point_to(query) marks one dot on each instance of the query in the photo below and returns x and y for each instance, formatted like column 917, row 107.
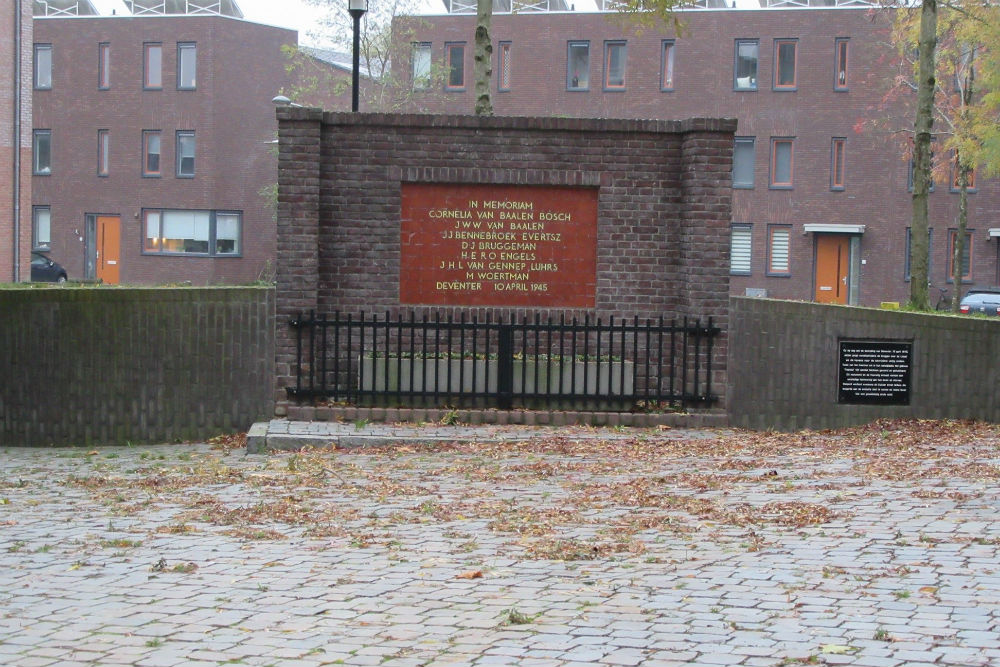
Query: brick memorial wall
column 508, row 216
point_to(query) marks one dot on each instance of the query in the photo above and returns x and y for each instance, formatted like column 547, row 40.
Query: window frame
column 748, row 229
column 755, row 77
column 423, row 81
column 449, row 62
column 146, row 153
column 838, row 163
column 786, row 231
column 909, row 176
column 212, row 241
column 743, row 185
column 182, row 48
column 37, row 83
column 37, row 137
column 966, row 256
column 954, row 187
column 776, row 83
column 103, row 153
column 179, row 156
column 572, row 44
column 36, row 243
column 668, row 48
column 148, row 82
column 841, row 56
column 503, row 66
column 104, row 66
column 907, row 248
column 773, row 183
column 611, row 47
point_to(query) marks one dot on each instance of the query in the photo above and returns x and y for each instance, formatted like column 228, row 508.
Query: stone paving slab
column 553, row 547
column 290, row 435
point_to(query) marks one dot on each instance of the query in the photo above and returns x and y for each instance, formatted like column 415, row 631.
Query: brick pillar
column 297, row 238
column 706, row 209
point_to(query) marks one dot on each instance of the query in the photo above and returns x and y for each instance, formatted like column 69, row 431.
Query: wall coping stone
column 539, row 123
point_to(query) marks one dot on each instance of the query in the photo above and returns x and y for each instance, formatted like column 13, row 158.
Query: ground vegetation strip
column 774, row 544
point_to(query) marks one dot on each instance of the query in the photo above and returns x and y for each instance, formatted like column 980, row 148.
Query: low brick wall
column 784, row 361
column 110, row 366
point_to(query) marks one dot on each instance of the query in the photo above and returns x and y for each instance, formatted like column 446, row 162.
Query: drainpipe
column 18, row 7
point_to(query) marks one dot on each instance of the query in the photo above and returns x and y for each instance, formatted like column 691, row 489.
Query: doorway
column 833, row 262
column 102, row 248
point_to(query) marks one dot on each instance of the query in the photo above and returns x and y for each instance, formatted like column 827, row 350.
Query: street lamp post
column 357, row 9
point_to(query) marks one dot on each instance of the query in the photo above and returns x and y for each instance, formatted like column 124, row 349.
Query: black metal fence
column 495, row 363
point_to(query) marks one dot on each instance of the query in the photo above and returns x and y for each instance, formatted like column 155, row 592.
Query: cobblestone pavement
column 875, row 546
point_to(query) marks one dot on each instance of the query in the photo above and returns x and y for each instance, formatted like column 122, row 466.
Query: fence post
column 505, row 366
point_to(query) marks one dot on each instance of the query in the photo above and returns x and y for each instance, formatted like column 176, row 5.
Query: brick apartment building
column 820, row 211
column 154, row 143
column 15, row 140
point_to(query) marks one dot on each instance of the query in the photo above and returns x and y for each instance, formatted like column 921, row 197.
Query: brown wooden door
column 832, row 261
column 108, row 248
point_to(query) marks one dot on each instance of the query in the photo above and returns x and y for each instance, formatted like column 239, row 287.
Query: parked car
column 45, row 270
column 985, row 301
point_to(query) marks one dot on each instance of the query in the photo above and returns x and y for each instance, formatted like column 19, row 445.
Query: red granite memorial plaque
column 498, row 245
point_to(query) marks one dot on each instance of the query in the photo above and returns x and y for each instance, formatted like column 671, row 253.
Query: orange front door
column 832, row 259
column 108, row 248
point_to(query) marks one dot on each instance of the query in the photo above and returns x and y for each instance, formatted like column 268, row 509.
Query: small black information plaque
column 875, row 372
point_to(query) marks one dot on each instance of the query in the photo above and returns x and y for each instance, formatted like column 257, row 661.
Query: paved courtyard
column 874, row 546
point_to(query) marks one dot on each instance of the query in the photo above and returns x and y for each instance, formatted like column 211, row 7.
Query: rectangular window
column 778, row 262
column 503, row 74
column 906, row 259
column 41, row 152
column 227, row 233
column 152, row 66
column 966, row 255
column 150, row 152
column 955, row 185
column 43, row 66
column 614, row 65
column 185, row 154
column 837, row 147
column 909, row 176
column 103, row 152
column 745, row 71
column 41, row 227
column 455, row 66
column 179, row 232
column 578, row 66
column 784, row 57
column 840, row 64
column 781, row 162
column 421, row 59
column 667, row 65
column 743, row 162
column 187, row 66
column 740, row 250
column 103, row 66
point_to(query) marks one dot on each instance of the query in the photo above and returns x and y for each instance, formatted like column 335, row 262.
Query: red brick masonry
column 663, row 209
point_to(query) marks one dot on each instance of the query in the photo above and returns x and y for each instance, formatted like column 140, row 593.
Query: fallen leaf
column 837, row 649
column 472, row 574
column 928, row 590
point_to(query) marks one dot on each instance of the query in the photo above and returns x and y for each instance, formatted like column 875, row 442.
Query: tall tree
column 483, row 69
column 938, row 75
column 922, row 127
